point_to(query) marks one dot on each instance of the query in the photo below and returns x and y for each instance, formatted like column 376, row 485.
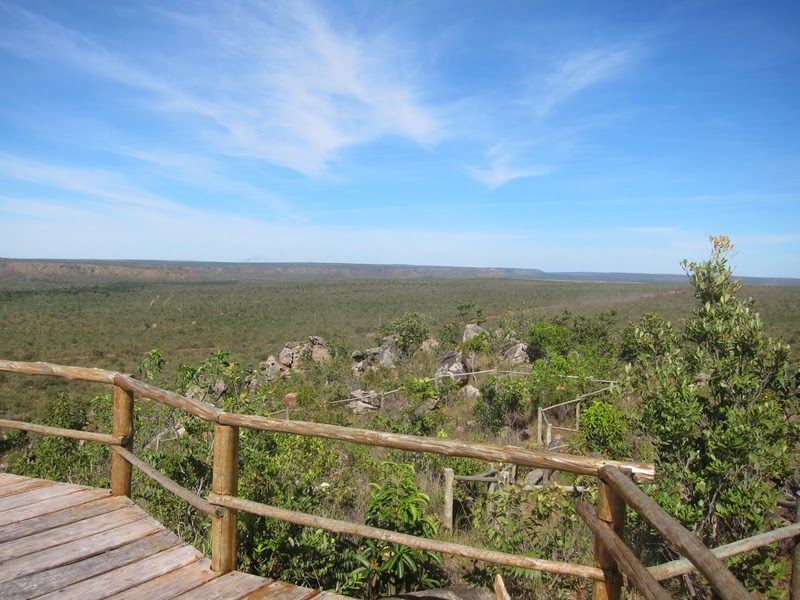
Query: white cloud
column 504, row 166
column 578, row 72
column 95, row 183
column 273, row 81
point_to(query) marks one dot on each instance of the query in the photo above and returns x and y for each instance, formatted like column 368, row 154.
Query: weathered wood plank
column 58, row 518
column 170, row 584
column 68, row 533
column 278, row 590
column 22, row 485
column 49, row 579
column 9, row 477
column 15, row 501
column 129, row 576
column 330, row 596
column 44, row 507
column 231, row 586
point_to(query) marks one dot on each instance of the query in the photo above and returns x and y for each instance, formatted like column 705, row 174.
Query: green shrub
column 604, row 428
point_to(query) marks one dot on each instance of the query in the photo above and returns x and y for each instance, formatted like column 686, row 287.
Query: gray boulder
column 364, row 402
column 517, row 354
column 472, row 330
column 469, row 391
column 388, row 354
column 454, row 366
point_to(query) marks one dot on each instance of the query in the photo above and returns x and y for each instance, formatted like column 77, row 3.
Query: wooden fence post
column 225, row 482
column 795, row 589
column 449, row 476
column 122, row 426
column 539, row 426
column 611, row 510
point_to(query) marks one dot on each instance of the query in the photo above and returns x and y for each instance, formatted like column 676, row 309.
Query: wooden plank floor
column 59, row 540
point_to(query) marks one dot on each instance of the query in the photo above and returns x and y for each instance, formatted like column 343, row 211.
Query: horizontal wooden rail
column 684, row 541
column 683, row 566
column 627, row 562
column 43, row 368
column 76, row 434
column 203, row 410
column 180, row 491
column 412, row 541
column 581, row 465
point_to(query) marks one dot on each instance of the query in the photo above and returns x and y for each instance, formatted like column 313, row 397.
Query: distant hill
column 45, row 273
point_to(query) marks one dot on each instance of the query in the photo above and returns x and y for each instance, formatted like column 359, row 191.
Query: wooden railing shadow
column 617, row 490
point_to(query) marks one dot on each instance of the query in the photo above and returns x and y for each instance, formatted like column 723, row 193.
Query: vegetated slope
column 111, row 315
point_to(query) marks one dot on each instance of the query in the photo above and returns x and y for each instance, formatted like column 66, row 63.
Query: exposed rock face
column 388, row 354
column 452, row 365
column 293, row 354
column 429, row 345
column 472, row 330
column 271, row 367
column 364, row 401
column 469, row 391
column 517, row 354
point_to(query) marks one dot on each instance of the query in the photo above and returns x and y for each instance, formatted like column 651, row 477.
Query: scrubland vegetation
column 703, row 389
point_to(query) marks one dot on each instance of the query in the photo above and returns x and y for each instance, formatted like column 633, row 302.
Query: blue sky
column 563, row 136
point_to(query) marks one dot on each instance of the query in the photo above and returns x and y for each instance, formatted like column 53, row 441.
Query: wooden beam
column 627, row 562
column 122, row 427
column 89, row 436
column 207, row 412
column 683, row 566
column 65, row 372
column 581, row 465
column 684, row 541
column 393, row 537
column 225, row 482
column 167, row 483
column 610, row 511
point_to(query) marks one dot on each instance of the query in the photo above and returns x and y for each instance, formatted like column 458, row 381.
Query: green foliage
column 604, row 428
column 469, row 313
column 720, row 406
column 652, row 336
column 547, row 340
column 410, row 330
column 63, row 459
column 397, row 504
column 503, row 403
column 531, row 522
column 152, row 365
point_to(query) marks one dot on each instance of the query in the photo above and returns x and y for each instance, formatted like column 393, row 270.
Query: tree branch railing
column 616, row 487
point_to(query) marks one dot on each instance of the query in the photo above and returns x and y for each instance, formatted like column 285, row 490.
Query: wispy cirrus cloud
column 98, row 184
column 504, row 166
column 277, row 81
column 577, row 72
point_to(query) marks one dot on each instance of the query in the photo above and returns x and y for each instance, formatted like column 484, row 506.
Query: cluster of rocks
column 293, row 356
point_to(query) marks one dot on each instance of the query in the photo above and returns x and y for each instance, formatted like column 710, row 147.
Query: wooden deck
column 59, row 540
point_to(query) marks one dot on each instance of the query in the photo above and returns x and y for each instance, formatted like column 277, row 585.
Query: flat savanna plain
column 74, row 316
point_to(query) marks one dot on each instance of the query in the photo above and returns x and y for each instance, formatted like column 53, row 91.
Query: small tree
column 720, row 407
column 410, row 331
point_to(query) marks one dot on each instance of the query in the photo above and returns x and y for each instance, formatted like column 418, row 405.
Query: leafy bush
column 503, row 403
column 604, row 428
column 410, row 331
column 397, row 504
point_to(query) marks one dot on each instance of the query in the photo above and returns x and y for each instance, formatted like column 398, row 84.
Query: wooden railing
column 616, row 490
